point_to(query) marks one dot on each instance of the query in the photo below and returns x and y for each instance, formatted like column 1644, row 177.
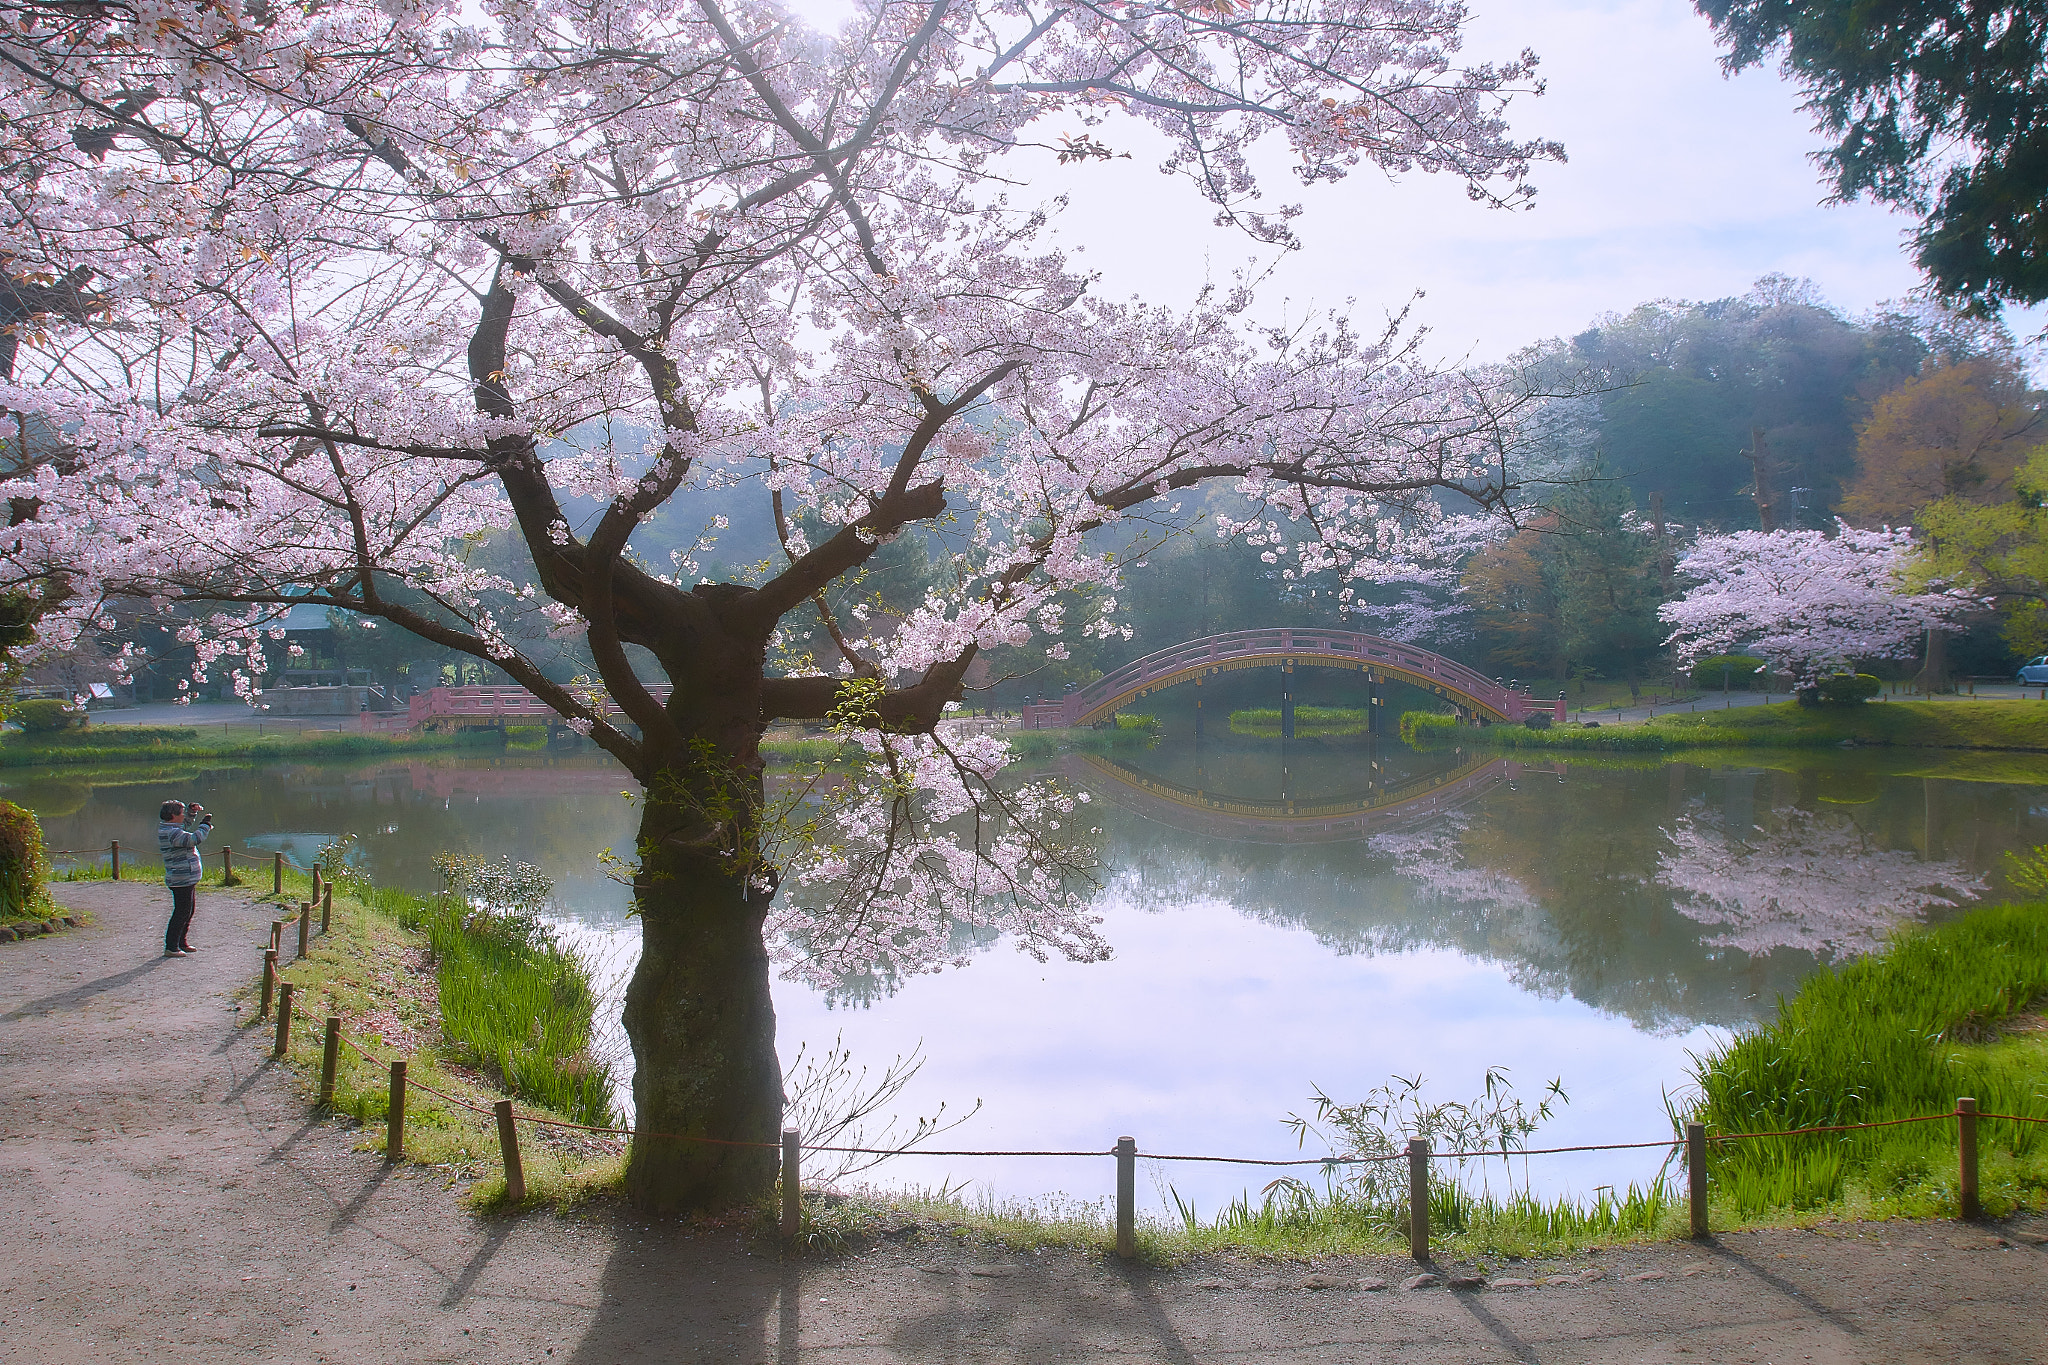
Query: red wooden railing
column 1321, row 647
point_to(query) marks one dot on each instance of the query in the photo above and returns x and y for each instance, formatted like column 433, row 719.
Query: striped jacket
column 180, row 846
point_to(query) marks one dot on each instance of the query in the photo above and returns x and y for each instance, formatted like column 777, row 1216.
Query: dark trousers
column 181, row 917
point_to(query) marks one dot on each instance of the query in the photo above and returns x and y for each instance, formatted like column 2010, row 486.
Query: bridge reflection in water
column 1398, row 803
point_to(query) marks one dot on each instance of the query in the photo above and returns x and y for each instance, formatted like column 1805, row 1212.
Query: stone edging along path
column 172, row 1198
column 27, row 929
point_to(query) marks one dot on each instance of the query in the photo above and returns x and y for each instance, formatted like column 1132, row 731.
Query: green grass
column 1293, row 1220
column 1992, row 725
column 1439, row 730
column 1896, row 1035
column 514, row 1003
column 367, row 970
column 108, row 745
column 1310, row 722
column 811, row 750
column 102, row 871
column 1296, row 1219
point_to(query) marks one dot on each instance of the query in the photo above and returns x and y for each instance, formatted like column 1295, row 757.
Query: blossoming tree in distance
column 302, row 297
column 1808, row 602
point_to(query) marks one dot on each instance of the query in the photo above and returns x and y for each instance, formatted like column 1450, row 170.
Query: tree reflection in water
column 1817, row 883
column 1433, row 859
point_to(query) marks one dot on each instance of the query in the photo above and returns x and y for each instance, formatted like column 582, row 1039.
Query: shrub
column 1742, row 671
column 1538, row 721
column 48, row 717
column 1138, row 721
column 1842, row 689
column 23, row 870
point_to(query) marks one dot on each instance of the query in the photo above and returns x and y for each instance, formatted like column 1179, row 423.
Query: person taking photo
column 181, row 830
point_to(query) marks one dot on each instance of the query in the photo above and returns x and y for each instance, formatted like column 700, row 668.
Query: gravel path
column 169, row 1199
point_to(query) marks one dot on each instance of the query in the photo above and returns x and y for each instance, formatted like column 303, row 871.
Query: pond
column 1286, row 916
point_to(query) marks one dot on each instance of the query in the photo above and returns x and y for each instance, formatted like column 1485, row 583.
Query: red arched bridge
column 1476, row 696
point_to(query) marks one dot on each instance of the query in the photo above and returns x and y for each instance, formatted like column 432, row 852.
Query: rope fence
column 228, row 877
column 1419, row 1153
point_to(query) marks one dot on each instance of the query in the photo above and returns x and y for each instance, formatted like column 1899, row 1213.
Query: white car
column 2035, row 670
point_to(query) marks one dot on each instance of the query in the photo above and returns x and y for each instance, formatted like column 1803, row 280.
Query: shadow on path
column 459, row 1288
column 673, row 1295
column 78, row 995
column 1785, row 1287
column 1505, row 1335
column 346, row 1214
column 1170, row 1341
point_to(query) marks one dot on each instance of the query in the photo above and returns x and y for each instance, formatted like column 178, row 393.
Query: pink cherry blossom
column 1809, row 602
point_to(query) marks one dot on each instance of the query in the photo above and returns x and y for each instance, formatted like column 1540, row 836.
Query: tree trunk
column 698, row 1011
column 1934, row 665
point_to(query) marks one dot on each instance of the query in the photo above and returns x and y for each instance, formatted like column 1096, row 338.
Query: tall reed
column 1886, row 1037
column 513, row 1000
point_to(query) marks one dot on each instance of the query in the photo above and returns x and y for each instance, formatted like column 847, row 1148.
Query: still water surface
column 1284, row 918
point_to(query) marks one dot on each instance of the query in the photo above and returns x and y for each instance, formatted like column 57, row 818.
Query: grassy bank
column 809, row 750
column 2020, row 726
column 478, row 1010
column 1947, row 1011
column 101, row 747
column 1310, row 722
column 1295, row 1220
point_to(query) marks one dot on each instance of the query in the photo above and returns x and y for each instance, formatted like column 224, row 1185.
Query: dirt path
column 167, row 1198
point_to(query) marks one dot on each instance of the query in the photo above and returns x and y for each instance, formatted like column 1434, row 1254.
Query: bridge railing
column 1344, row 644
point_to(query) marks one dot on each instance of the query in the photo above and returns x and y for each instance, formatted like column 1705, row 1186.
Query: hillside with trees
column 1772, row 411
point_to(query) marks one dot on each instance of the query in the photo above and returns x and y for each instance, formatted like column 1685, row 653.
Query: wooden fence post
column 269, row 980
column 284, row 1021
column 792, row 1183
column 305, row 926
column 1126, row 1197
column 1418, row 1200
column 330, row 1061
column 1966, row 1153
column 115, row 849
column 326, row 908
column 277, row 873
column 394, row 1128
column 1696, row 1174
column 277, row 936
column 508, row 1146
column 227, row 867
column 316, row 882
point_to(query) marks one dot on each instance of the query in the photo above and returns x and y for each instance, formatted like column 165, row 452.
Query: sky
column 1682, row 183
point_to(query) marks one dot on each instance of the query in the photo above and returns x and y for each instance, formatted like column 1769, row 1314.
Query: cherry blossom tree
column 321, row 286
column 1809, row 602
